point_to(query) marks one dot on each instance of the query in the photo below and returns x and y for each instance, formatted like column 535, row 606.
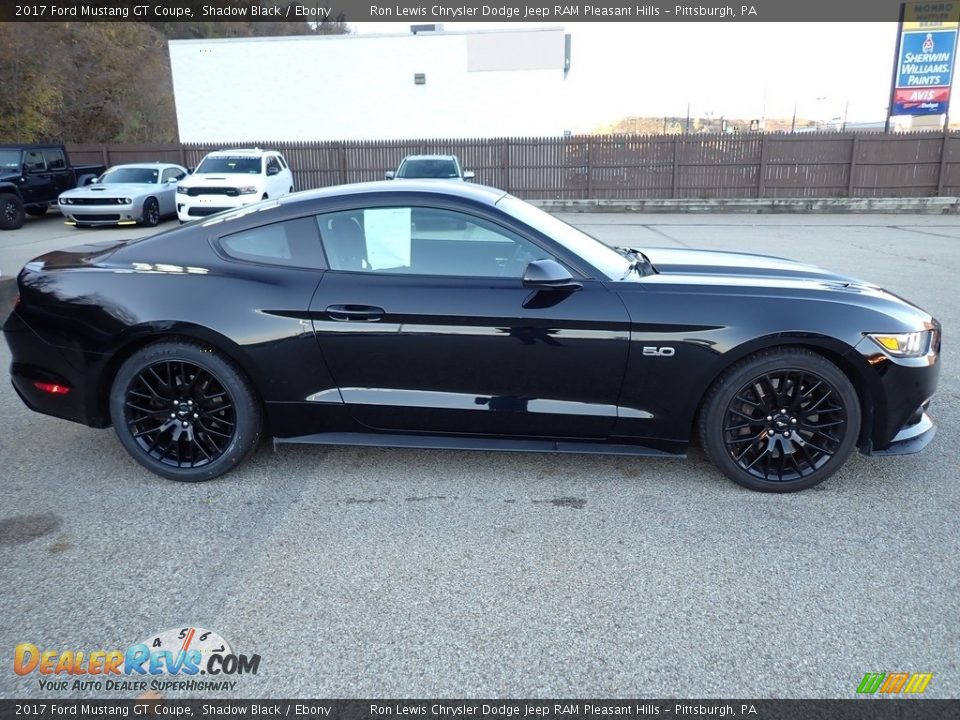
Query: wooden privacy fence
column 741, row 165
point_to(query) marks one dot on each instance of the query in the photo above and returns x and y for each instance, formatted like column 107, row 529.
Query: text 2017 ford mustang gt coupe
column 433, row 315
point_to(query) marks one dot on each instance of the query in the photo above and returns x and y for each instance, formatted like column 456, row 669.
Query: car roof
column 147, row 165
column 466, row 191
column 430, row 157
column 252, row 152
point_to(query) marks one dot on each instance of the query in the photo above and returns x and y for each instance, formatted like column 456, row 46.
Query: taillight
column 52, row 388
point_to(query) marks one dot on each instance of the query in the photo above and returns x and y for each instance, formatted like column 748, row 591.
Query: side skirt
column 443, row 442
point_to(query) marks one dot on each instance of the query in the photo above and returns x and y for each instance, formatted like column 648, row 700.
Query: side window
column 172, row 174
column 55, row 159
column 33, row 161
column 293, row 243
column 273, row 165
column 424, row 241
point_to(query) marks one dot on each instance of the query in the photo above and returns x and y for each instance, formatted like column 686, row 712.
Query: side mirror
column 273, row 171
column 549, row 275
column 92, row 181
column 468, row 174
column 389, row 174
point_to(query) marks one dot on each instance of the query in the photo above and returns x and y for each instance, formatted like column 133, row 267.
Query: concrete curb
column 922, row 205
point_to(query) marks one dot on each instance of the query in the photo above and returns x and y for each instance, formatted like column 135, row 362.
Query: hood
column 231, row 178
column 713, row 263
column 112, row 190
column 741, row 268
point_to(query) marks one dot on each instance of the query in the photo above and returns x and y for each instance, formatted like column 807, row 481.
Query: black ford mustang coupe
column 436, row 315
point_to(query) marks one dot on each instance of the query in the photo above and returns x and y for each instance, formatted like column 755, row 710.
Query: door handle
column 356, row 313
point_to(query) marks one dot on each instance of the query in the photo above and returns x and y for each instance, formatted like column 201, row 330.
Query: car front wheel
column 151, row 213
column 184, row 411
column 780, row 421
column 11, row 212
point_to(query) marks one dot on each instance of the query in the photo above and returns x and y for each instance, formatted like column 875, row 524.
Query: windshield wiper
column 639, row 262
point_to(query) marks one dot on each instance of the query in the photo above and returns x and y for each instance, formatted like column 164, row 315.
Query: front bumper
column 901, row 390
column 191, row 207
column 127, row 214
column 911, row 438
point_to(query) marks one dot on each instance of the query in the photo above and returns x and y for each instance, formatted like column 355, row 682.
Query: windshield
column 10, row 158
column 231, row 164
column 602, row 257
column 130, row 175
column 428, row 168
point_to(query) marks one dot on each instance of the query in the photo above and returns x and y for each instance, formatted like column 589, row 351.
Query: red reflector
column 51, row 388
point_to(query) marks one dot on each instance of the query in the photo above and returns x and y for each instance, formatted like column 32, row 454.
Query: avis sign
column 928, row 47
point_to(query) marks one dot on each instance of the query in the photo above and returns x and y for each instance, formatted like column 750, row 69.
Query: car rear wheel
column 184, row 411
column 780, row 421
column 11, row 212
column 151, row 213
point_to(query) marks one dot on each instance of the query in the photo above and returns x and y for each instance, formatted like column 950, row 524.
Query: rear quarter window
column 293, row 243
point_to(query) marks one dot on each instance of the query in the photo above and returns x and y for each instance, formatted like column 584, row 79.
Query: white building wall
column 362, row 87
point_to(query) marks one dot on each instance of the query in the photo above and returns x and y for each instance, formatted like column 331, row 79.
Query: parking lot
column 358, row 572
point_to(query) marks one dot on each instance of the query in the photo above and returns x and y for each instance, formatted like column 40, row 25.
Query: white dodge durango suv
column 227, row 179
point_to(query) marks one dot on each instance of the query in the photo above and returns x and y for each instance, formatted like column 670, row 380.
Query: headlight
column 126, row 201
column 249, row 190
column 65, row 201
column 181, row 190
column 904, row 345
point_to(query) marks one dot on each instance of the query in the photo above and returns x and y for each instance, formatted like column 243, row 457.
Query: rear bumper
column 35, row 360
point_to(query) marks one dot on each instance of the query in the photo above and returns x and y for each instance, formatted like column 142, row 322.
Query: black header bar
column 852, row 709
column 453, row 11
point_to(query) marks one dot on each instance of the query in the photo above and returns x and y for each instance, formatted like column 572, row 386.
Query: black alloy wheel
column 184, row 411
column 781, row 421
column 151, row 213
column 11, row 212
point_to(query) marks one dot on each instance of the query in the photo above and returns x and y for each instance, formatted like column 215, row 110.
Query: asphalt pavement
column 357, row 572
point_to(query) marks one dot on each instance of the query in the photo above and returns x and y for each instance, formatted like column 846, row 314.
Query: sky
column 738, row 70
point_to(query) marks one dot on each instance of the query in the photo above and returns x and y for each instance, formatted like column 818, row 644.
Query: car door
column 167, row 191
column 58, row 176
column 36, row 185
column 276, row 185
column 426, row 326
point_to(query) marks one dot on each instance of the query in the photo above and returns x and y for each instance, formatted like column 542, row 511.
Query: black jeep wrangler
column 33, row 176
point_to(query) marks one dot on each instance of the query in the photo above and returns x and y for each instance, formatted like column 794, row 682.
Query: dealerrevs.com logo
column 894, row 683
column 168, row 661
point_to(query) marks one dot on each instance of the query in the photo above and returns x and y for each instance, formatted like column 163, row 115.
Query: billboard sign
column 926, row 57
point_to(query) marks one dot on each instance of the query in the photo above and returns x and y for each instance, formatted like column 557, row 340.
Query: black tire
column 151, row 213
column 215, row 423
column 780, row 421
column 11, row 212
column 265, row 196
column 37, row 211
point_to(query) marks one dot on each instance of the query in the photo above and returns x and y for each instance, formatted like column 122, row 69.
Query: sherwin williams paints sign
column 926, row 56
